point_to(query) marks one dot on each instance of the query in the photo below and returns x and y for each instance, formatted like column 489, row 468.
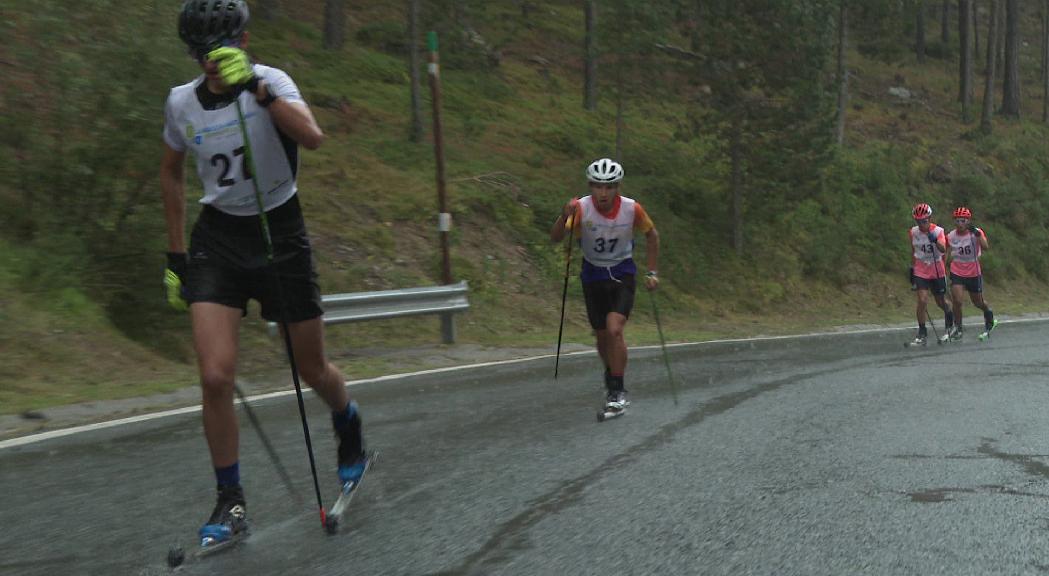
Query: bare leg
column 922, row 310
column 615, row 343
column 957, row 292
column 215, row 337
column 307, row 340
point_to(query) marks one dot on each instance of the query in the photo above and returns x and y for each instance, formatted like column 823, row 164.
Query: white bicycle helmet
column 604, row 171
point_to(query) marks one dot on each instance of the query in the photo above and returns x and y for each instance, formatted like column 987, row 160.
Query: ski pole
column 283, row 311
column 564, row 294
column 663, row 345
column 274, row 458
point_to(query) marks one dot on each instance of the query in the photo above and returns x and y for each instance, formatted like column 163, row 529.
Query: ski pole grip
column 431, row 41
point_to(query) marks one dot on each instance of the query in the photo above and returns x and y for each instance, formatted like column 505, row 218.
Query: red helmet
column 922, row 211
column 963, row 212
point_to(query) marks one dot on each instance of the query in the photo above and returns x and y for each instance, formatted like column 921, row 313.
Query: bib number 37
column 603, row 245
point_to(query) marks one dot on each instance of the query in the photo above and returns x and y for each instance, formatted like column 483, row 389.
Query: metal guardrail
column 383, row 304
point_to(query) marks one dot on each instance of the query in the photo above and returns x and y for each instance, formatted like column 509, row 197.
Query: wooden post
column 444, row 218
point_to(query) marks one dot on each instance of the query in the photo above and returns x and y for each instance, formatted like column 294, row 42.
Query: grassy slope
column 370, row 202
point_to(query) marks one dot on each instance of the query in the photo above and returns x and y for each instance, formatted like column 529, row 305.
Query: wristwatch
column 265, row 102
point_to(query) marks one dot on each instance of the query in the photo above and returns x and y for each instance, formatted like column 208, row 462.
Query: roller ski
column 956, row 334
column 351, row 477
column 987, row 331
column 227, row 527
column 615, row 406
column 919, row 341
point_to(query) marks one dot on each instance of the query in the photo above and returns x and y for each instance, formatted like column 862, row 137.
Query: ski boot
column 615, row 405
column 919, row 340
column 956, row 334
column 228, row 520
column 987, row 330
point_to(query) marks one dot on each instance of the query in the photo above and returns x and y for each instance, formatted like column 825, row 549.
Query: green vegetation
column 82, row 315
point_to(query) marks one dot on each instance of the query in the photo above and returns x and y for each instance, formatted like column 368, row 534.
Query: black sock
column 988, row 318
column 615, row 383
column 948, row 319
column 347, row 425
column 922, row 331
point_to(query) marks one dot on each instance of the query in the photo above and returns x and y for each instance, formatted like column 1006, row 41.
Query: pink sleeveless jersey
column 928, row 260
column 965, row 254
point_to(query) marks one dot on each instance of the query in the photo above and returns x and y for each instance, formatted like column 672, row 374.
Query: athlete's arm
column 652, row 249
column 983, row 241
column 293, row 118
column 173, row 190
column 560, row 228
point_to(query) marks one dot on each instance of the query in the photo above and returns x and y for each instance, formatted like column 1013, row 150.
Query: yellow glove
column 173, row 280
column 234, row 67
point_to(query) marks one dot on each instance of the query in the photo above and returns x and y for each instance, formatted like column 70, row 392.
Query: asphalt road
column 826, row 455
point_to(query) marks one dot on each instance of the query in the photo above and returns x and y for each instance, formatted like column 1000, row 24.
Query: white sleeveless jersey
column 607, row 241
column 215, row 139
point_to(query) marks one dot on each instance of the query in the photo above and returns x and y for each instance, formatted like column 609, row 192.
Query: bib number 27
column 224, row 180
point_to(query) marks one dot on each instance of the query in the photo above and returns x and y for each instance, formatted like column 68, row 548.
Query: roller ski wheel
column 227, row 527
column 615, row 406
column 919, row 341
column 351, row 479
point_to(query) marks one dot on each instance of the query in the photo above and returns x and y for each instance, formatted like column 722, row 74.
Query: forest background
column 778, row 145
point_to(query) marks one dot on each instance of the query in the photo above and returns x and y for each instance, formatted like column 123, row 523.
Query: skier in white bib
column 227, row 262
column 604, row 224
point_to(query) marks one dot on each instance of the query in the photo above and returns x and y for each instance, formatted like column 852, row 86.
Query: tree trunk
column 992, row 56
column 334, row 24
column 1011, row 74
column 945, row 27
column 267, row 9
column 620, row 123
column 843, row 71
column 965, row 62
column 413, row 69
column 976, row 27
column 919, row 43
column 590, row 80
column 999, row 55
column 736, row 158
column 1045, row 61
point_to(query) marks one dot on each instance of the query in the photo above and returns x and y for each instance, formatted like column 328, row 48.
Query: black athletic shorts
column 606, row 296
column 937, row 286
column 973, row 284
column 228, row 263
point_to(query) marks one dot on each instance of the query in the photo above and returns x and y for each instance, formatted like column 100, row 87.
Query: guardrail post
column 448, row 328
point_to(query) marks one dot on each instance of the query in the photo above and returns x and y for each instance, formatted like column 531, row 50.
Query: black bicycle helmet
column 204, row 24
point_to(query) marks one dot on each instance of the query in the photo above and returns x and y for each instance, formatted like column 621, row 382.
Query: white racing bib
column 607, row 241
column 214, row 137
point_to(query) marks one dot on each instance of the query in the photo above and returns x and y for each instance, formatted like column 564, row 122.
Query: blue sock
column 228, row 476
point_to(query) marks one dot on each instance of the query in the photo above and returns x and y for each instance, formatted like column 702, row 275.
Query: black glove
column 974, row 230
column 173, row 280
column 932, row 237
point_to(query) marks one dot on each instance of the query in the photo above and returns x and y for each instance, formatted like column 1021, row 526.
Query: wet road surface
column 826, row 455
